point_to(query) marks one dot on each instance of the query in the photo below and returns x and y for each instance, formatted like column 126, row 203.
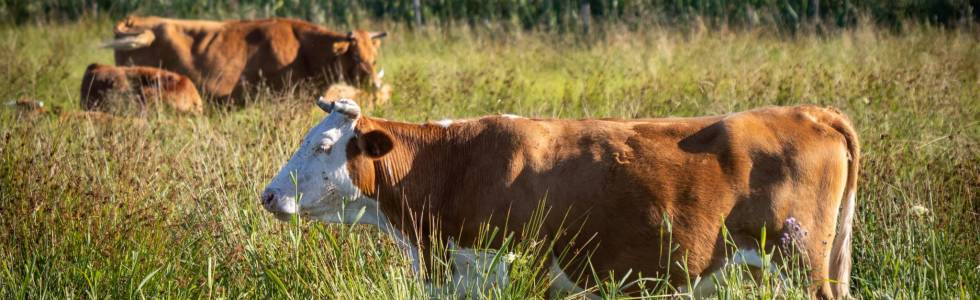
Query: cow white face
column 316, row 182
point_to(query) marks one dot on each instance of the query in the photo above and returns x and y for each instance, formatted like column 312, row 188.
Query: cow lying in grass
column 27, row 106
column 226, row 57
column 109, row 88
column 648, row 197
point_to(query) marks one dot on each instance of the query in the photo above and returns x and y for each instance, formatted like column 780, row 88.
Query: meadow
column 166, row 206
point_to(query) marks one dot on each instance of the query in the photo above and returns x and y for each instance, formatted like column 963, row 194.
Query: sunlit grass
column 168, row 206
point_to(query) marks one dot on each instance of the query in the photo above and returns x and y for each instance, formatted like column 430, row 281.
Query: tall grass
column 167, row 207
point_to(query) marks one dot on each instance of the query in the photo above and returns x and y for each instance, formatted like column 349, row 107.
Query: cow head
column 133, row 33
column 321, row 180
column 358, row 52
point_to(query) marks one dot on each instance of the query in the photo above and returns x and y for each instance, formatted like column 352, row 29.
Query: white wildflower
column 919, row 210
column 510, row 257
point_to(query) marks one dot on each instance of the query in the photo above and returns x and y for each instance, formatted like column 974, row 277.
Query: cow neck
column 411, row 181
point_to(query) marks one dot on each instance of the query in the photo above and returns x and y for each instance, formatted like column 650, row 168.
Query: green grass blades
column 166, row 206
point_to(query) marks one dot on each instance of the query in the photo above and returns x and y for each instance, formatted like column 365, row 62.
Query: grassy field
column 167, row 207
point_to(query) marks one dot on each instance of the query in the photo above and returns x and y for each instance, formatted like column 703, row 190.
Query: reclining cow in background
column 791, row 171
column 109, row 88
column 225, row 58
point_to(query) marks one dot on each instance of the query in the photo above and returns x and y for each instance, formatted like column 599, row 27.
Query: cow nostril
column 267, row 198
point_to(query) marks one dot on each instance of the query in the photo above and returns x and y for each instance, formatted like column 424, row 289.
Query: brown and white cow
column 225, row 58
column 105, row 88
column 617, row 183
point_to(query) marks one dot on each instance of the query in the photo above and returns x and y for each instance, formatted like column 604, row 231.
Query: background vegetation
column 167, row 206
column 554, row 15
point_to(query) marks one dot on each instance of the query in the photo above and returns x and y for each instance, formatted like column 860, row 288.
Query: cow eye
column 324, row 148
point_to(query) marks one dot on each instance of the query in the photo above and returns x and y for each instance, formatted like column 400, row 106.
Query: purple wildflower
column 792, row 232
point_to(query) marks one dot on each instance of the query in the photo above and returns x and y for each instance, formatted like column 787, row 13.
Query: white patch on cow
column 477, row 272
column 562, row 286
column 747, row 257
column 377, row 78
column 403, row 243
column 510, row 116
column 707, row 286
column 444, row 123
column 315, row 181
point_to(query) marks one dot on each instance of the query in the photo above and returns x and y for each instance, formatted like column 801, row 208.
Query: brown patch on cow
column 623, row 157
column 613, row 185
column 228, row 58
column 109, row 88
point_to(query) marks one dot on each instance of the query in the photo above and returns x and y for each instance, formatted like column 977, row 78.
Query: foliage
column 167, row 207
column 555, row 15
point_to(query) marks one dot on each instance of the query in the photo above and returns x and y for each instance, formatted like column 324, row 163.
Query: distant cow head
column 323, row 179
column 359, row 52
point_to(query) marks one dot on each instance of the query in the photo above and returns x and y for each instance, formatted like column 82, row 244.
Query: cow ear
column 377, row 36
column 375, row 144
column 340, row 47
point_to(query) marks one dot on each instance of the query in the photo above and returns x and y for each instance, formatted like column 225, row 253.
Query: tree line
column 555, row 15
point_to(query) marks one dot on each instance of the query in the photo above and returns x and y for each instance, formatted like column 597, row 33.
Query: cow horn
column 347, row 107
column 143, row 39
column 325, row 105
column 378, row 35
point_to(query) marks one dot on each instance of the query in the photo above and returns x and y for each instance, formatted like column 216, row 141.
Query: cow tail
column 840, row 264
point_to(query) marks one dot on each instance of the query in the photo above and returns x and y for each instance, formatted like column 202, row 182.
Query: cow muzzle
column 283, row 207
column 377, row 79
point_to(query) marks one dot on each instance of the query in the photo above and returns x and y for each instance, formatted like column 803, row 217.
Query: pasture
column 167, row 207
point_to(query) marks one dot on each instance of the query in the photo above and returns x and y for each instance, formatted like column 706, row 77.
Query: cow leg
column 563, row 287
column 818, row 253
column 746, row 256
column 477, row 272
column 810, row 245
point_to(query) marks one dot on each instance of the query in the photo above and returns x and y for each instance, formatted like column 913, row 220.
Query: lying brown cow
column 226, row 57
column 27, row 106
column 618, row 183
column 106, row 88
